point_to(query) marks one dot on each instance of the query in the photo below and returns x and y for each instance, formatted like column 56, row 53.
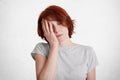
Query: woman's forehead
column 50, row 18
column 53, row 22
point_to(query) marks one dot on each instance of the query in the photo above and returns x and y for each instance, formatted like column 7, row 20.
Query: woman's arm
column 46, row 68
column 91, row 75
column 40, row 61
column 49, row 70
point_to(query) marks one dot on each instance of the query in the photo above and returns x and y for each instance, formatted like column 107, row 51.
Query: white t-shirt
column 74, row 62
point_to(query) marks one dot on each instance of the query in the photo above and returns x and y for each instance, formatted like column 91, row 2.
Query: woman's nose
column 56, row 29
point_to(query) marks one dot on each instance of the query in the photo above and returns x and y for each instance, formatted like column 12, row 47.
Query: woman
column 60, row 58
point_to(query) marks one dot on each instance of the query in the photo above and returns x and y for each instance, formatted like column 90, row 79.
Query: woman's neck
column 66, row 43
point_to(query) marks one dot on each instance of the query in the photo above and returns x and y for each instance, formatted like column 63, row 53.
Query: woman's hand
column 49, row 34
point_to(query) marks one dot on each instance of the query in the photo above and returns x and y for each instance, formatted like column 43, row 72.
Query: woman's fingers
column 43, row 25
column 47, row 26
column 49, row 34
column 51, row 27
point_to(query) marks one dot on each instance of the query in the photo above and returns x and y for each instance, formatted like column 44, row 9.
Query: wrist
column 54, row 46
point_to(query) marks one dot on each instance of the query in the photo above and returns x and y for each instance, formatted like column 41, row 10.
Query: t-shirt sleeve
column 40, row 48
column 92, row 59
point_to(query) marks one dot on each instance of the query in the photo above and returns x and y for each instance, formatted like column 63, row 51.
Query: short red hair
column 56, row 13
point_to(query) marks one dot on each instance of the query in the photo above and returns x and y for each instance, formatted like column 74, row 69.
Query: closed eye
column 53, row 28
column 59, row 23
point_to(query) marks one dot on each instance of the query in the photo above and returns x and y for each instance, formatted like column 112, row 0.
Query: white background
column 97, row 25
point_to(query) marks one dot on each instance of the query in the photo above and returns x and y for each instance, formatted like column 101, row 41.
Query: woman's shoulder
column 43, row 44
column 88, row 49
column 84, row 46
column 40, row 48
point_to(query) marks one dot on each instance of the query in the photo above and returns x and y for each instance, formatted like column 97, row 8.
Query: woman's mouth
column 59, row 35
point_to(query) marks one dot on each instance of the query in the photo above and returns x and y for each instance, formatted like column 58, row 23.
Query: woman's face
column 60, row 30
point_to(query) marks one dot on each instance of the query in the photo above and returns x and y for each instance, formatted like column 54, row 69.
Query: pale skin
column 46, row 68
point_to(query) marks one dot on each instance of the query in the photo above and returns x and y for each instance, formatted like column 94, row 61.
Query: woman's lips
column 59, row 35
